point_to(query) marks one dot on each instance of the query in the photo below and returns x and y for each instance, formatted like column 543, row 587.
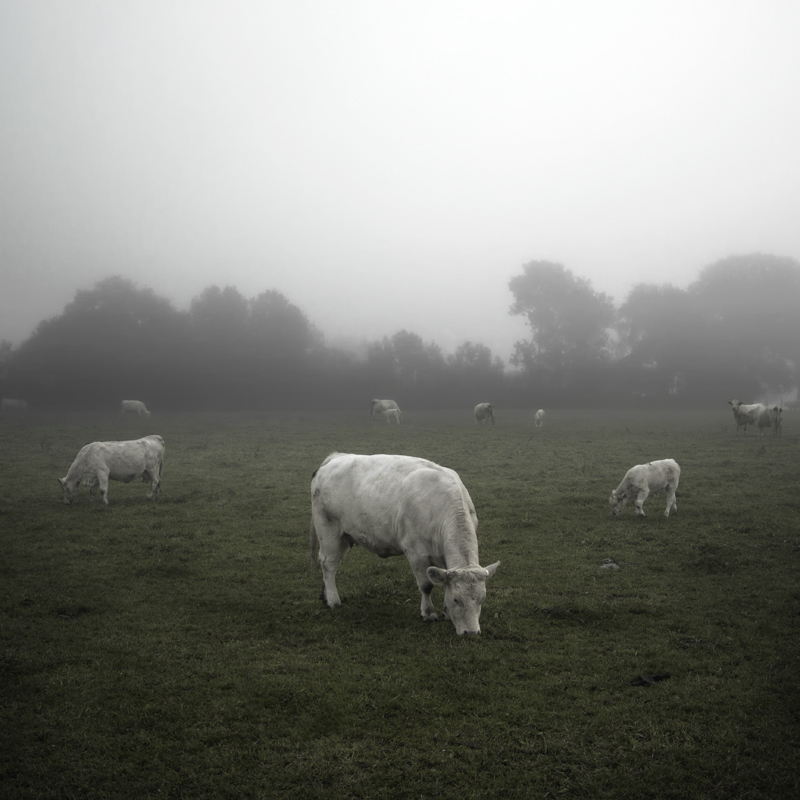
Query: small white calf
column 393, row 415
column 379, row 406
column 98, row 462
column 484, row 412
column 538, row 418
column 644, row 479
column 136, row 406
column 12, row 404
column 401, row 505
column 744, row 415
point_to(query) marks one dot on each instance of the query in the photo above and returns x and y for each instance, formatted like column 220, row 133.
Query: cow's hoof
column 429, row 618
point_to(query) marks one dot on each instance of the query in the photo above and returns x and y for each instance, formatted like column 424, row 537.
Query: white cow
column 745, row 415
column 119, row 461
column 134, row 406
column 393, row 415
column 642, row 480
column 12, row 404
column 379, row 406
column 484, row 412
column 401, row 505
column 770, row 417
column 538, row 418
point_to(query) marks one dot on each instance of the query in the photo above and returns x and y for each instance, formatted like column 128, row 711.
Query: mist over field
column 728, row 336
column 390, row 168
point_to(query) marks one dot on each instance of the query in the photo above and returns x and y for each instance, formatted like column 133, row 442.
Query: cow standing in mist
column 642, row 480
column 379, row 406
column 98, row 462
column 400, row 505
column 134, row 407
column 484, row 412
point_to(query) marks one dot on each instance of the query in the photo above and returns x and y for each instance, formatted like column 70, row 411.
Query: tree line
column 734, row 332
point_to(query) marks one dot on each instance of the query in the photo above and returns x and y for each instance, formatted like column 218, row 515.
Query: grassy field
column 180, row 649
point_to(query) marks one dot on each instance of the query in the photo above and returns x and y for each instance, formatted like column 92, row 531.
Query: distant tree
column 662, row 338
column 751, row 307
column 280, row 329
column 569, row 321
column 475, row 359
column 111, row 341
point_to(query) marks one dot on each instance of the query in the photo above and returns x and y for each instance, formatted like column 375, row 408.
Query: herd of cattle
column 389, row 504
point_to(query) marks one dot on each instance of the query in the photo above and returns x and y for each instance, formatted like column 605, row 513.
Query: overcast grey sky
column 390, row 165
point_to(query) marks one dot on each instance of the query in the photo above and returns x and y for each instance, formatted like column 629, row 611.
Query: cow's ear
column 492, row 568
column 62, row 481
column 438, row 577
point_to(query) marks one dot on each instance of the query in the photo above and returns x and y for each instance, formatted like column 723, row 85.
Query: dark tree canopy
column 735, row 332
column 569, row 321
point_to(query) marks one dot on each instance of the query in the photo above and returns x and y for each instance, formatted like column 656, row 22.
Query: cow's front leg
column 102, row 483
column 426, row 609
column 640, row 502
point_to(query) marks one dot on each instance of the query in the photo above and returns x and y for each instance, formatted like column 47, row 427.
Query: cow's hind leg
column 333, row 547
column 671, row 504
column 155, row 484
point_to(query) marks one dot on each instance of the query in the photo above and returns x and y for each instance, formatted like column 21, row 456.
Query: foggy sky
column 390, row 165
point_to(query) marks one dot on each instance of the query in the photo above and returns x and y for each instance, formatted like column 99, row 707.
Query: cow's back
column 381, row 500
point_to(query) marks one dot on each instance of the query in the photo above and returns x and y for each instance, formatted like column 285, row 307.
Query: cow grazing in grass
column 401, row 505
column 393, row 415
column 484, row 412
column 379, row 406
column 134, row 407
column 770, row 417
column 98, row 462
column 13, row 404
column 745, row 414
column 643, row 480
column 538, row 418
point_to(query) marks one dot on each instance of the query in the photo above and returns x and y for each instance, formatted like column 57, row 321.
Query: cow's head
column 70, row 488
column 464, row 593
column 616, row 502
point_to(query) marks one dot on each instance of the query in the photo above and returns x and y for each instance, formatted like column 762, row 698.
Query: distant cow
column 136, row 406
column 401, row 505
column 744, row 415
column 393, row 415
column 98, row 462
column 538, row 418
column 12, row 404
column 484, row 412
column 644, row 479
column 770, row 417
column 379, row 406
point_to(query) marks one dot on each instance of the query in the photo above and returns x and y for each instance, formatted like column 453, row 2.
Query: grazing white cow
column 745, row 415
column 393, row 415
column 642, row 480
column 134, row 406
column 484, row 412
column 12, row 404
column 379, row 406
column 538, row 418
column 401, row 505
column 119, row 461
column 770, row 417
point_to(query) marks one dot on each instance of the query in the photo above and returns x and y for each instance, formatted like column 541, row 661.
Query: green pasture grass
column 180, row 649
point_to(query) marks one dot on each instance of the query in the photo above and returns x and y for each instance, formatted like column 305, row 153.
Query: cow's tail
column 313, row 543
